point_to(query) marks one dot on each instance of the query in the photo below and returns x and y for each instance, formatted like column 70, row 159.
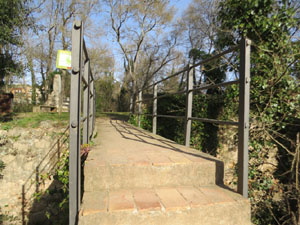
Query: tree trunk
column 33, row 82
column 61, row 94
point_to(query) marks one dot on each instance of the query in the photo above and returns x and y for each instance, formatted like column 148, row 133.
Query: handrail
column 164, row 79
column 236, row 47
column 81, row 74
column 221, row 122
column 216, row 85
column 243, row 122
column 187, row 68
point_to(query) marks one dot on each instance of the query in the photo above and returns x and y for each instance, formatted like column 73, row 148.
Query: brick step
column 151, row 169
column 184, row 205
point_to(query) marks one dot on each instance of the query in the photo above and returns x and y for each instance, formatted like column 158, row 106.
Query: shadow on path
column 138, row 135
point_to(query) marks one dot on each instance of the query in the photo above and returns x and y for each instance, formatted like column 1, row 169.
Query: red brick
column 193, row 196
column 120, row 200
column 94, row 202
column 171, row 198
column 215, row 194
column 146, row 200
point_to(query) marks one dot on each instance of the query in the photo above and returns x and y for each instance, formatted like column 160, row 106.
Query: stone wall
column 24, row 151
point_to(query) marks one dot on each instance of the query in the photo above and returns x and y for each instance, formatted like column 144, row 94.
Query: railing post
column 140, row 108
column 58, row 149
column 188, row 108
column 23, row 205
column 86, row 102
column 91, row 108
column 37, row 179
column 94, row 108
column 154, row 113
column 244, row 96
column 75, row 102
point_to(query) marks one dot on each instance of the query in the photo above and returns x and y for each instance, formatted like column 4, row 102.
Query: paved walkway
column 135, row 177
column 119, row 143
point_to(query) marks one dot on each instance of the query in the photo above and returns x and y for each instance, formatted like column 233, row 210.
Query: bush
column 22, row 107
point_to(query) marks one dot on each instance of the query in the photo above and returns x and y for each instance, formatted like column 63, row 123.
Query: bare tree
column 54, row 20
column 198, row 22
column 135, row 25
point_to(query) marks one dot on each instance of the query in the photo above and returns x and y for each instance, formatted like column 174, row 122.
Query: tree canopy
column 13, row 19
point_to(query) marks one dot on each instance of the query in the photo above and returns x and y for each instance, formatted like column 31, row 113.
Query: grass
column 34, row 119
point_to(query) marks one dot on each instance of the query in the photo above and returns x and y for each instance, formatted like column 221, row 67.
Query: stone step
column 182, row 205
column 151, row 169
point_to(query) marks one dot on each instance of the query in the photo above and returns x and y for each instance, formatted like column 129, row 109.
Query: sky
column 180, row 6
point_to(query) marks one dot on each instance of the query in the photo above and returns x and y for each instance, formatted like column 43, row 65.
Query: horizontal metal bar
column 216, row 85
column 232, row 123
column 173, row 75
column 162, row 96
column 147, row 114
column 168, row 94
column 164, row 116
column 169, row 116
column 236, row 47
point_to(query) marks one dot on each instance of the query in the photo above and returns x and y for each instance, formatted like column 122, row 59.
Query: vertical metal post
column 188, row 108
column 154, row 113
column 23, row 205
column 94, row 107
column 140, row 108
column 37, row 180
column 91, row 108
column 86, row 102
column 58, row 149
column 74, row 156
column 244, row 96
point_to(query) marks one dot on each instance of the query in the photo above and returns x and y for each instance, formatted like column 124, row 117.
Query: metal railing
column 243, row 121
column 79, row 113
column 47, row 165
